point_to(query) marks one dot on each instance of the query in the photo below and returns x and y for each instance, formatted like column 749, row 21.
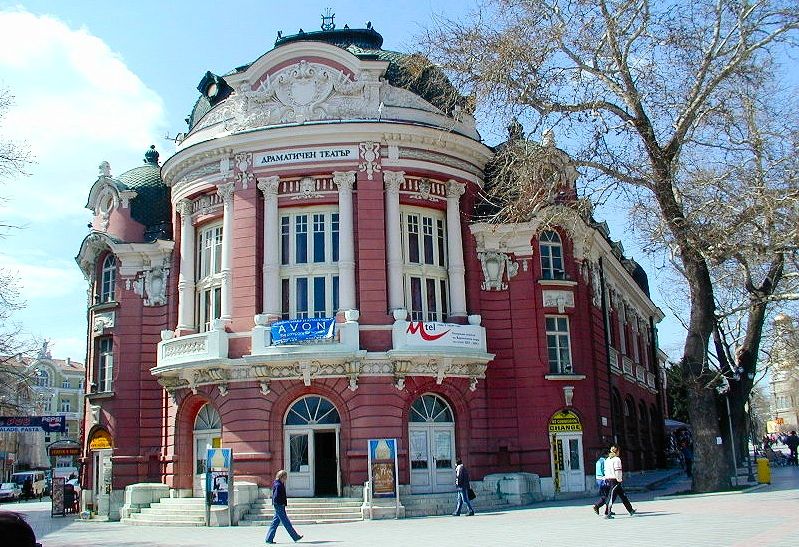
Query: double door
column 311, row 458
column 432, row 450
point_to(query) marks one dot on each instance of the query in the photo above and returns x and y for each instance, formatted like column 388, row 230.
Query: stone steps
column 171, row 512
column 420, row 505
column 306, row 511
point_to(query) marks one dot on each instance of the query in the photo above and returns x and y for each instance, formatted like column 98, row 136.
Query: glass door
column 299, row 455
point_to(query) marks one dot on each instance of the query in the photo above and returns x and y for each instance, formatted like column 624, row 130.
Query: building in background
column 784, row 383
column 44, row 387
column 330, row 281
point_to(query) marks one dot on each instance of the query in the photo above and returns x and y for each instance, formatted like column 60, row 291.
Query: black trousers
column 616, row 490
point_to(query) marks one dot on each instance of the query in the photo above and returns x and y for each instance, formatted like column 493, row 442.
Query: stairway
column 306, row 511
column 421, row 505
column 170, row 512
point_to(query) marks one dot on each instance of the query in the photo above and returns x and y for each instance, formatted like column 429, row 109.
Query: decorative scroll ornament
column 151, row 285
column 242, row 165
column 369, row 153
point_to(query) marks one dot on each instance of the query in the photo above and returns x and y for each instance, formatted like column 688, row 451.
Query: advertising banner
column 565, row 421
column 433, row 334
column 218, row 476
column 48, row 424
column 298, row 331
column 383, row 467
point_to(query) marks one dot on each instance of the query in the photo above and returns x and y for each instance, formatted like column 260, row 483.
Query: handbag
column 472, row 495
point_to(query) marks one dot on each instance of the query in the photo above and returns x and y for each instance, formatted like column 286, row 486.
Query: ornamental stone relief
column 296, row 94
column 369, row 156
column 151, row 285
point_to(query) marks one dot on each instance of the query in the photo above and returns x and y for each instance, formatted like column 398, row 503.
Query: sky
column 101, row 81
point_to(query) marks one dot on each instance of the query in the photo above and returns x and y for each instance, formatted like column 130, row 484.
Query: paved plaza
column 766, row 515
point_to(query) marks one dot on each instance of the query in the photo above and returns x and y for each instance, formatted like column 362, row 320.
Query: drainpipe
column 605, row 324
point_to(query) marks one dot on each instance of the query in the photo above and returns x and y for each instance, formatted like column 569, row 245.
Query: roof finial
column 151, row 156
column 105, row 169
column 327, row 19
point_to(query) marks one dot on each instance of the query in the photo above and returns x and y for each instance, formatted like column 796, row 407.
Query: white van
column 38, row 482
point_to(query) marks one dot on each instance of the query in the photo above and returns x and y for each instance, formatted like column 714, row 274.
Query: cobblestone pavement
column 764, row 516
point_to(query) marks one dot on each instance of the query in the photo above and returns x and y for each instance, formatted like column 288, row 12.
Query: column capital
column 392, row 180
column 345, row 180
column 184, row 207
column 225, row 191
column 269, row 185
column 455, row 189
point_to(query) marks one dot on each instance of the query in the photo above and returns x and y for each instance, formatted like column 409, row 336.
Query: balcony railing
column 640, row 373
column 627, row 366
column 202, row 346
column 650, row 379
column 614, row 361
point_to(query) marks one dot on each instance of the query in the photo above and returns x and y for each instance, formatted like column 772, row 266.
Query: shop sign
column 303, row 155
column 419, row 333
column 383, row 468
column 101, row 440
column 64, row 451
column 565, row 421
column 48, row 424
column 298, row 331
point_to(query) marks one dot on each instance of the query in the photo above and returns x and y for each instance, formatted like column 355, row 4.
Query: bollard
column 763, row 471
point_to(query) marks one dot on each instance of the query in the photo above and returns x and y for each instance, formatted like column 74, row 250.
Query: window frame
column 546, row 248
column 425, row 263
column 309, row 261
column 104, row 365
column 107, row 283
column 558, row 366
column 208, row 275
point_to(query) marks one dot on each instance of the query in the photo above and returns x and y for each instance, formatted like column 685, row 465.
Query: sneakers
column 609, row 516
column 456, row 514
column 298, row 539
column 633, row 512
column 470, row 514
column 596, row 509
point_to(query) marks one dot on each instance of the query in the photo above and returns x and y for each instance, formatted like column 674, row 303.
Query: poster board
column 57, row 496
column 383, row 469
column 219, row 481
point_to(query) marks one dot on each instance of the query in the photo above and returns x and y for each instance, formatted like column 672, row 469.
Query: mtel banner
column 302, row 155
column 48, row 424
column 421, row 333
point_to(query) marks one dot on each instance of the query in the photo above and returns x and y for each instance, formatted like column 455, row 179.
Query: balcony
column 650, row 380
column 439, row 350
column 640, row 374
column 192, row 348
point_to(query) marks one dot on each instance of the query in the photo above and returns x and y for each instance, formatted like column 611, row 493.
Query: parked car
column 33, row 483
column 10, row 491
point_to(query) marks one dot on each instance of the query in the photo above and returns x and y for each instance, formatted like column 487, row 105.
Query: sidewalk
column 765, row 516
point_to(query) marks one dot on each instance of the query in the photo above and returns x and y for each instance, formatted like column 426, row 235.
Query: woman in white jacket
column 613, row 480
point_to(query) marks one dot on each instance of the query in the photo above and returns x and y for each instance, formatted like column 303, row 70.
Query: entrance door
column 207, row 434
column 570, row 467
column 432, row 461
column 311, row 443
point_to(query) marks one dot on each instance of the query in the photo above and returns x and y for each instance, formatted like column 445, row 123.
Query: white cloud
column 47, row 280
column 76, row 104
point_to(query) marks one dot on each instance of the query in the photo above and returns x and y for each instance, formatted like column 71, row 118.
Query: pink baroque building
column 329, row 282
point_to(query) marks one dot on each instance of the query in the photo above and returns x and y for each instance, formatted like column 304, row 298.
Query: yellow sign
column 565, row 421
column 101, row 440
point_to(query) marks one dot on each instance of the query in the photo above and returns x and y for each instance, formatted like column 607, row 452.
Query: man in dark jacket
column 462, row 482
column 279, row 503
column 792, row 442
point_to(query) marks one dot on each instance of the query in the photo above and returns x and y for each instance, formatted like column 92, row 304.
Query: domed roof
column 412, row 71
column 151, row 206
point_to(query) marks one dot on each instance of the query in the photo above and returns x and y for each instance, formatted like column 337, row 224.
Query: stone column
column 392, row 181
column 346, row 241
column 186, row 276
column 225, row 191
column 457, row 281
column 271, row 296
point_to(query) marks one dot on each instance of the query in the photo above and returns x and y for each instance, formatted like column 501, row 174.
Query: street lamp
column 750, row 477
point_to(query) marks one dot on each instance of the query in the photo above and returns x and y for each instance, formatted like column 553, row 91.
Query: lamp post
column 732, row 437
column 750, row 477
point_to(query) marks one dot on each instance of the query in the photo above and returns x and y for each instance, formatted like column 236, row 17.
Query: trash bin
column 763, row 471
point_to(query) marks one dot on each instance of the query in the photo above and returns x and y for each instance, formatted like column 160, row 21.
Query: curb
column 708, row 494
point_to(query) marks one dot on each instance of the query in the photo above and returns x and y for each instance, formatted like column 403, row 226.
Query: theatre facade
column 308, row 271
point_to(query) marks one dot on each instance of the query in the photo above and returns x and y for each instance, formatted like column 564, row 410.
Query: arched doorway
column 431, row 432
column 568, row 467
column 207, row 434
column 311, row 441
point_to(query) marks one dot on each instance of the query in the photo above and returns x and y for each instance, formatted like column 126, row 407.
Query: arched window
column 108, row 279
column 551, row 255
column 430, row 408
column 312, row 410
column 43, row 378
column 207, row 418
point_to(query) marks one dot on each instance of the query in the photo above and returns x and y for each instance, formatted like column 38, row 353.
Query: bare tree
column 638, row 90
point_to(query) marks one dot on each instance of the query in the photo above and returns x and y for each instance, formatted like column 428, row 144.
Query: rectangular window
column 441, row 243
column 444, row 303
column 319, row 238
column 334, row 232
column 285, row 241
column 425, row 260
column 432, row 301
column 65, row 383
column 558, row 345
column 105, row 364
column 302, row 298
column 413, row 239
column 416, row 299
column 427, row 228
column 286, row 303
column 319, row 300
column 335, row 294
column 209, row 306
column 301, row 239
column 65, row 406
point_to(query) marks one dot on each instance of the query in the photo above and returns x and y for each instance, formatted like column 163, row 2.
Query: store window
column 425, row 264
column 559, row 345
column 309, row 254
column 108, row 278
column 104, row 367
column 209, row 276
column 551, row 250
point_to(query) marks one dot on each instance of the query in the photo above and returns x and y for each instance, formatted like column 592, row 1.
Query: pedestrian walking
column 793, row 442
column 600, row 481
column 279, row 503
column 613, row 480
column 688, row 457
column 462, row 482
